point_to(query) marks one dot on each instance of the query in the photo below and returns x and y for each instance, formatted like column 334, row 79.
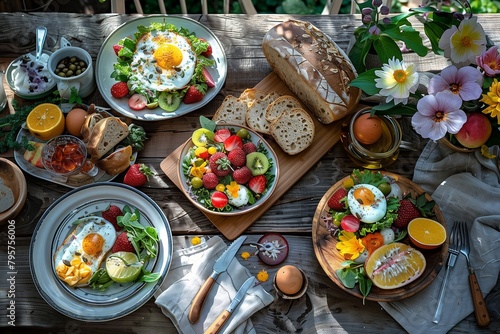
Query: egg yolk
column 364, row 196
column 92, row 244
column 168, row 56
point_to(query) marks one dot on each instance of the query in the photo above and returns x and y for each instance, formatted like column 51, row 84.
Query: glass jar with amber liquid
column 379, row 154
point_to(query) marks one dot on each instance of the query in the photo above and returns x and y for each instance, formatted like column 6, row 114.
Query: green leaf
column 386, row 48
column 410, row 37
column 207, row 123
column 348, row 277
column 391, row 109
column 366, row 82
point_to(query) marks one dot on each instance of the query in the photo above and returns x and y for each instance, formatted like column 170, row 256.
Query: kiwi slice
column 169, row 101
column 201, row 137
column 257, row 162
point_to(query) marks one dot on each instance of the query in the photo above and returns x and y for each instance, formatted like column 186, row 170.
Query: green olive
column 196, row 182
column 385, row 188
column 243, row 133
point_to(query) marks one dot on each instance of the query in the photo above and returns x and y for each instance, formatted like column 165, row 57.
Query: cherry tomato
column 350, row 223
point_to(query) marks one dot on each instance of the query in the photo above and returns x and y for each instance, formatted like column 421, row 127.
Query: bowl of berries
column 227, row 169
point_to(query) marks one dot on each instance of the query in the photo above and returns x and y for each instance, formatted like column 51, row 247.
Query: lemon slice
column 123, row 267
column 46, row 121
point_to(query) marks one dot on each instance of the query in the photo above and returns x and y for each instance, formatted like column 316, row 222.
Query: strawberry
column 219, row 199
column 257, row 184
column 195, row 93
column 249, row 147
column 209, row 50
column 350, row 223
column 334, row 201
column 122, row 244
column 210, row 180
column 221, row 135
column 110, row 215
column 219, row 164
column 407, row 212
column 117, row 48
column 137, row 102
column 237, row 157
column 209, row 80
column 233, row 142
column 137, row 175
column 242, row 175
column 119, row 90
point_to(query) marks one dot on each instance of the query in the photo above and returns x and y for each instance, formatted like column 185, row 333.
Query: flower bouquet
column 453, row 104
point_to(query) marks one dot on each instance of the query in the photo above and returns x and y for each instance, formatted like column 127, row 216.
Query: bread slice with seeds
column 293, row 130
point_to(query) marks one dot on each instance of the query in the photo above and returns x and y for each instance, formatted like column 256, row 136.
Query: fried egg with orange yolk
column 82, row 252
column 367, row 203
column 163, row 61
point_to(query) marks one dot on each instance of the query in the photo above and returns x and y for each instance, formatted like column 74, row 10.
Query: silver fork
column 453, row 252
column 480, row 310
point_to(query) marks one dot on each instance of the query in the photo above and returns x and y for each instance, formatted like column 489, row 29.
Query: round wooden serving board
column 330, row 259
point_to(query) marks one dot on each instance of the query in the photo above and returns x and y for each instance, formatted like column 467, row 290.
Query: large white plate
column 106, row 58
column 56, row 223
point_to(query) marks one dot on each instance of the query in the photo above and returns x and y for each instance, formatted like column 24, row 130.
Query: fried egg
column 163, row 61
column 82, row 252
column 367, row 203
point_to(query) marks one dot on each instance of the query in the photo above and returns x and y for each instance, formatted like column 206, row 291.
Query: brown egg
column 367, row 129
column 74, row 121
column 289, row 279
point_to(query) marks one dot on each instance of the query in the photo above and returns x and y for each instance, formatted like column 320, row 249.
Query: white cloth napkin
column 466, row 186
column 189, row 269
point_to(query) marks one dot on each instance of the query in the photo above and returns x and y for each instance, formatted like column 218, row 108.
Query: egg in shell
column 163, row 61
column 367, row 203
column 82, row 252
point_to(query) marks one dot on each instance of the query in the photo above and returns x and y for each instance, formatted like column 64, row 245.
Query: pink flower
column 438, row 114
column 489, row 61
column 465, row 82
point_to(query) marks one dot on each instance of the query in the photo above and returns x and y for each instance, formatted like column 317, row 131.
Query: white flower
column 397, row 80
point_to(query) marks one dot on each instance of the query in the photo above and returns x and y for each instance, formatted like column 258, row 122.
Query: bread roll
column 313, row 67
column 116, row 162
column 106, row 134
column 293, row 130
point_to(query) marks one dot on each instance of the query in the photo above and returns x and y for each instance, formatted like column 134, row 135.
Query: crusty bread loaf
column 285, row 102
column 232, row 110
column 89, row 124
column 293, row 130
column 255, row 116
column 106, row 134
column 116, row 162
column 313, row 67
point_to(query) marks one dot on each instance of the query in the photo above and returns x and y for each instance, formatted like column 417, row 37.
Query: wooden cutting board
column 291, row 168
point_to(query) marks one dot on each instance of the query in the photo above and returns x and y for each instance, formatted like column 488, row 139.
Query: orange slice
column 426, row 233
column 394, row 265
column 45, row 121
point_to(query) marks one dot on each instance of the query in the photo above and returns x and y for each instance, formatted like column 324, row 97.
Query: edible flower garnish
column 195, row 241
column 245, row 255
column 198, row 170
column 349, row 246
column 263, row 276
column 373, row 241
column 233, row 189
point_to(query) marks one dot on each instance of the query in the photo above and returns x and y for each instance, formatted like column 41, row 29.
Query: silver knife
column 219, row 267
column 222, row 318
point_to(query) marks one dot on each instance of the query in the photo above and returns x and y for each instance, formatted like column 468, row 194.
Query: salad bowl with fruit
column 227, row 169
column 379, row 236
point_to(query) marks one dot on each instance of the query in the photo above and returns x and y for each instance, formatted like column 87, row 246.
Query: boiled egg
column 74, row 120
column 289, row 279
column 163, row 61
column 367, row 203
column 82, row 252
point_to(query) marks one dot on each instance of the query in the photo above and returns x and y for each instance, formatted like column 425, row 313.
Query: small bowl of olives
column 71, row 67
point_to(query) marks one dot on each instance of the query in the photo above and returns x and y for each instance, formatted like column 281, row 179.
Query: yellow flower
column 220, row 187
column 485, row 151
column 349, row 246
column 195, row 241
column 466, row 42
column 492, row 99
column 263, row 276
column 233, row 189
column 198, row 170
column 245, row 255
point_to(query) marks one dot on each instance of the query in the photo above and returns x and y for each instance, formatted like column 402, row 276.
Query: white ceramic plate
column 56, row 223
column 106, row 58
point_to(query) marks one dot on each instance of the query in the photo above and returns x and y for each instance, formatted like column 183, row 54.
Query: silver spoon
column 41, row 34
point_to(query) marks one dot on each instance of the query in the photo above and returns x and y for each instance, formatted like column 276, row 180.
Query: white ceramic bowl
column 271, row 186
column 13, row 178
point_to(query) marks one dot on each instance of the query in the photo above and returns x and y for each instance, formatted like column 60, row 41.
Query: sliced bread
column 106, row 134
column 232, row 110
column 293, row 130
column 285, row 102
column 251, row 94
column 256, row 114
column 89, row 124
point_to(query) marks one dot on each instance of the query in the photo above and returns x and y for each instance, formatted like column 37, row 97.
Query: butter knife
column 222, row 318
column 219, row 267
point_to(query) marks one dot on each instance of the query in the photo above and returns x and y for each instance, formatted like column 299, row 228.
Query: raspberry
column 210, row 180
column 119, row 89
column 237, row 157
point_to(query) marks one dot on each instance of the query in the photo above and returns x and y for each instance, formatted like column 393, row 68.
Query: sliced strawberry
column 233, row 142
column 350, row 223
column 117, row 48
column 334, row 201
column 209, row 80
column 219, row 199
column 257, row 184
column 137, row 102
column 221, row 135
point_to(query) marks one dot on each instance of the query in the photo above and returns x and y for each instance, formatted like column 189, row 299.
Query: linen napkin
column 189, row 269
column 466, row 186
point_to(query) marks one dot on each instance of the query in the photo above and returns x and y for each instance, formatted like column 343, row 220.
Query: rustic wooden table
column 326, row 308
